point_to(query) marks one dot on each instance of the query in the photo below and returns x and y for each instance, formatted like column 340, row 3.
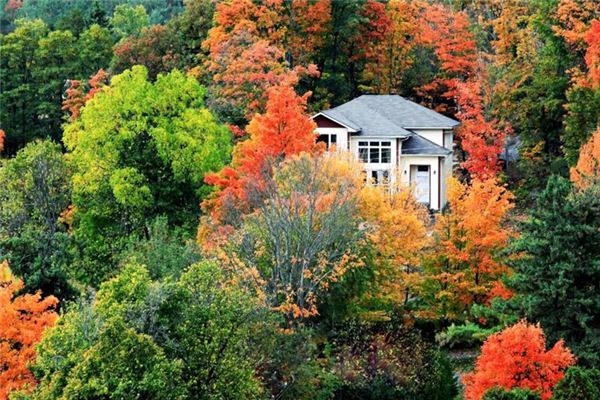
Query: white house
column 393, row 136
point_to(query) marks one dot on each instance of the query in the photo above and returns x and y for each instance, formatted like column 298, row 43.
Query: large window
column 375, row 152
column 329, row 140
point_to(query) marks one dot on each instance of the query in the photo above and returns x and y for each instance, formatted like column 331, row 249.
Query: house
column 395, row 139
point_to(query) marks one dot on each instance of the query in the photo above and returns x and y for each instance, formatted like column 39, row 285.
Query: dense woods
column 170, row 227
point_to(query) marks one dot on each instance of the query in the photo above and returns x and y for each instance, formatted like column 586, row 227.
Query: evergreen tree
column 557, row 276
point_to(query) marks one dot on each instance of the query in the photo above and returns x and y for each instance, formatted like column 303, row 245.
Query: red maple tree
column 282, row 130
column 517, row 358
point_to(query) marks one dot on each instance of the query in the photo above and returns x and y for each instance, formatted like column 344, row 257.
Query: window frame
column 373, row 151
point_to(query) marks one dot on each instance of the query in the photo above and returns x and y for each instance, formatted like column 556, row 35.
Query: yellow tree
column 398, row 231
column 587, row 171
column 464, row 266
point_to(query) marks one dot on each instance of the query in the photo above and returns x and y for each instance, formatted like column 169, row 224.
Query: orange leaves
column 2, row 136
column 465, row 267
column 385, row 43
column 517, row 358
column 587, row 170
column 23, row 319
column 76, row 96
column 283, row 130
column 573, row 20
column 253, row 45
column 448, row 34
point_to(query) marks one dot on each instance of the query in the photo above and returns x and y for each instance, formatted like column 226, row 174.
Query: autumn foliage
column 254, row 46
column 517, row 358
column 23, row 319
column 465, row 267
column 399, row 231
column 592, row 55
column 77, row 95
column 587, row 170
column 2, row 136
column 283, row 130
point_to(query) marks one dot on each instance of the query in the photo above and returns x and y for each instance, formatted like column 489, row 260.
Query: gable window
column 375, row 152
column 329, row 140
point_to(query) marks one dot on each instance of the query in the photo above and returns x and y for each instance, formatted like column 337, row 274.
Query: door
column 422, row 183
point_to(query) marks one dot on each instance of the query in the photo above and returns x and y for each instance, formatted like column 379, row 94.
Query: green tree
column 499, row 393
column 34, row 191
column 94, row 48
column 18, row 92
column 557, row 276
column 35, row 67
column 139, row 150
column 195, row 338
column 128, row 20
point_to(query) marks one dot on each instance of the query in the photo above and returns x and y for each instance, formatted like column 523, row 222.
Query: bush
column 578, row 384
column 386, row 360
column 499, row 393
column 468, row 335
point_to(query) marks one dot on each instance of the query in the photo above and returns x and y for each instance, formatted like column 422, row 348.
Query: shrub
column 468, row 335
column 498, row 393
column 386, row 360
column 578, row 384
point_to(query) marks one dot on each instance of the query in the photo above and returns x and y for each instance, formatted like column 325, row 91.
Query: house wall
column 434, row 135
column 407, row 169
column 342, row 136
column 391, row 166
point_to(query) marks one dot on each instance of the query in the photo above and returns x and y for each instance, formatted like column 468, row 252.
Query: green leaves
column 140, row 150
column 195, row 338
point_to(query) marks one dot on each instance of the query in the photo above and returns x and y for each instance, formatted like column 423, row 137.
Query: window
column 375, row 152
column 329, row 140
column 379, row 177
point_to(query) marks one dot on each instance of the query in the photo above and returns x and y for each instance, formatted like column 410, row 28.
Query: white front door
column 422, row 183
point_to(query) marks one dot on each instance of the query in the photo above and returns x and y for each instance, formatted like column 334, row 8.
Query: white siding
column 434, row 135
column 342, row 136
column 407, row 169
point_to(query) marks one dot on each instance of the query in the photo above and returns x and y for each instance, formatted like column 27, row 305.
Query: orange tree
column 281, row 131
column 23, row 319
column 517, row 358
column 463, row 267
column 587, row 171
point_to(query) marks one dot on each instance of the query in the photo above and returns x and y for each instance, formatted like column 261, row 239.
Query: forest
column 171, row 228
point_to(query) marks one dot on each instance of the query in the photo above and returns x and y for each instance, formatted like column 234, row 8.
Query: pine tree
column 557, row 278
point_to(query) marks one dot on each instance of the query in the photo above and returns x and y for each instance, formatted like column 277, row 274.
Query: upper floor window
column 375, row 152
column 329, row 140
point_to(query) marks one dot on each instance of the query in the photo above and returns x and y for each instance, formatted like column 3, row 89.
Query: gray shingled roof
column 416, row 144
column 387, row 115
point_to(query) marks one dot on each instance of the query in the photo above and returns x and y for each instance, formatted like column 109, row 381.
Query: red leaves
column 283, row 130
column 481, row 139
column 2, row 136
column 23, row 319
column 517, row 358
column 75, row 93
column 592, row 55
